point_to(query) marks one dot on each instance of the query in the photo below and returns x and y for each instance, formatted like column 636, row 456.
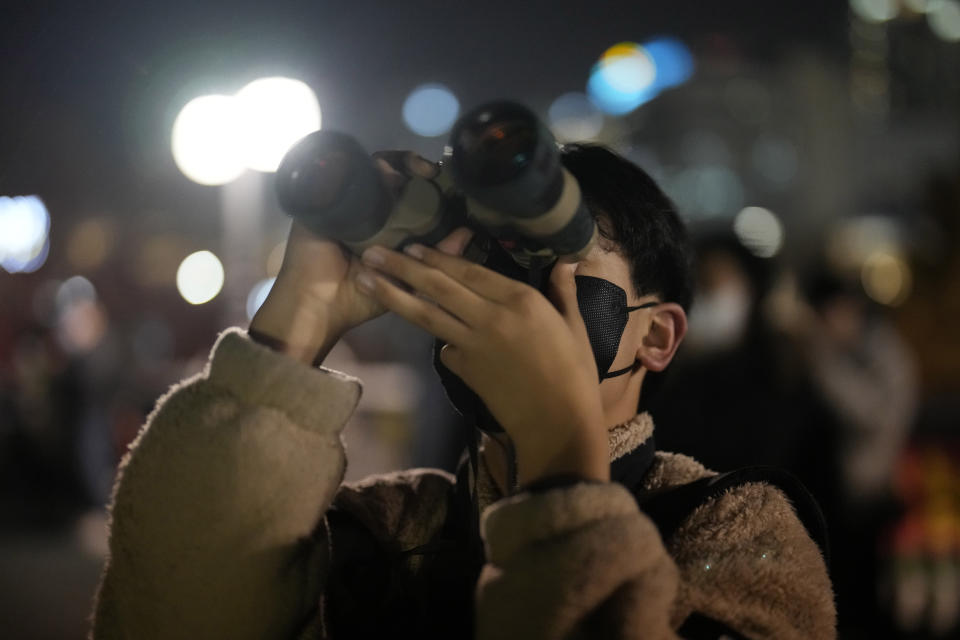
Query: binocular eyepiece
column 501, row 174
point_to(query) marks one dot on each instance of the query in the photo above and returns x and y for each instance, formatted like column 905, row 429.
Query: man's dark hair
column 632, row 211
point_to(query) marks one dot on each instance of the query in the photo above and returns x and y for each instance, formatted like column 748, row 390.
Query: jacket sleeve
column 208, row 537
column 585, row 562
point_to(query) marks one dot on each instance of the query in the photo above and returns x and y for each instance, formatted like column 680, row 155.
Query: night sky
column 89, row 91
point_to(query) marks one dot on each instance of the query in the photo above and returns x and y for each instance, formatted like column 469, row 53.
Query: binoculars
column 500, row 175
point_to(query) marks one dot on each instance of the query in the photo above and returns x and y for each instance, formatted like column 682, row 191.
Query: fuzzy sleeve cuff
column 530, row 517
column 574, row 562
column 258, row 375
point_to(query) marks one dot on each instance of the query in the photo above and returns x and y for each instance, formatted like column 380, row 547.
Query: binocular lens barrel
column 493, row 151
column 328, row 182
column 503, row 157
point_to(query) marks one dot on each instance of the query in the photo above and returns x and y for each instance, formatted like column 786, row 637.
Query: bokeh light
column 875, row 10
column 573, row 117
column 90, row 243
column 206, row 140
column 200, row 277
column 430, row 110
column 82, row 326
column 622, row 79
column 886, row 278
column 852, row 241
column 24, row 233
column 274, row 113
column 706, row 191
column 673, row 62
column 257, row 295
column 81, row 321
column 776, row 159
column 944, row 20
column 73, row 291
column 760, row 231
column 629, row 74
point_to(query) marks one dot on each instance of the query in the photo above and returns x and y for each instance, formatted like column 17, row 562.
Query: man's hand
column 315, row 300
column 529, row 360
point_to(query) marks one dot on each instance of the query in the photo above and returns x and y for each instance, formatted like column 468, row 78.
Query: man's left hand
column 527, row 358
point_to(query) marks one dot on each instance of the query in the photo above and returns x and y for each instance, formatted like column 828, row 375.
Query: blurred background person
column 865, row 372
column 743, row 396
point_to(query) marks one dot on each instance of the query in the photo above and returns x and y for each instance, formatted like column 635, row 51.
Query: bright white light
column 574, row 117
column 944, row 19
column 875, row 10
column 200, row 277
column 257, row 295
column 206, row 140
column 760, row 231
column 24, row 233
column 430, row 110
column 274, row 113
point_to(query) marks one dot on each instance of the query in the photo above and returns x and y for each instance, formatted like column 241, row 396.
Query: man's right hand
column 315, row 300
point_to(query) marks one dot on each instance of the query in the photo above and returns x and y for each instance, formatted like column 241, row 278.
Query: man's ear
column 668, row 326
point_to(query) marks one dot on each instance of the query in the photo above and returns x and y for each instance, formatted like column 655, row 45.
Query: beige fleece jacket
column 221, row 527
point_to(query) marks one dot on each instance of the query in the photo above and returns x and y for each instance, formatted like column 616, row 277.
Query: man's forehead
column 607, row 257
column 603, row 246
column 606, row 244
column 605, row 237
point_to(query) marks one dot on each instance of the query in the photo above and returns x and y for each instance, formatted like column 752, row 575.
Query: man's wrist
column 585, row 457
column 557, row 481
column 306, row 333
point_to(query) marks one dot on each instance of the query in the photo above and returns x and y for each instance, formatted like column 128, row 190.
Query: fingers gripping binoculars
column 500, row 174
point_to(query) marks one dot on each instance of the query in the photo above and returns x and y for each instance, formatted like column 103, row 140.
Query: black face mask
column 603, row 306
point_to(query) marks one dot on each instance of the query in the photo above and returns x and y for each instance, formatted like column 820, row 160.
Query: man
column 230, row 520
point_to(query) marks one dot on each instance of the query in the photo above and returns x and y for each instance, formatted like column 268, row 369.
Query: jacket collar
column 632, row 450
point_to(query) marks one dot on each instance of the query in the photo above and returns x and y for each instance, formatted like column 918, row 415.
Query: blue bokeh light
column 673, row 61
column 622, row 79
column 629, row 75
column 430, row 110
